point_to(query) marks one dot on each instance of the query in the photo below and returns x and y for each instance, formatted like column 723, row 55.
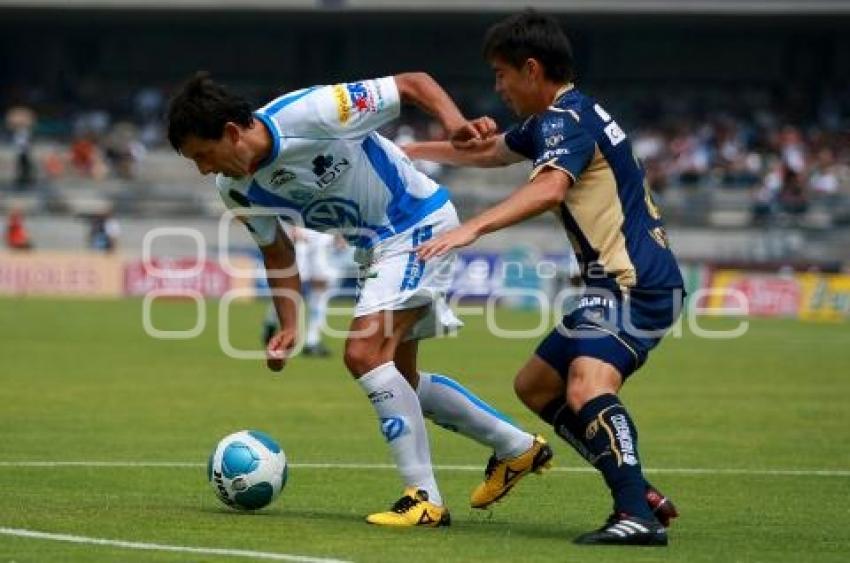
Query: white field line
column 17, row 532
column 476, row 468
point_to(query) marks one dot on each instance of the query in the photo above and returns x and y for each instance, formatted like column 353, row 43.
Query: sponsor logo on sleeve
column 614, row 133
column 379, row 97
column 551, row 154
column 343, row 103
column 366, row 96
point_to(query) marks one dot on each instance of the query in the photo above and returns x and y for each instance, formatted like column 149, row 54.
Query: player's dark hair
column 201, row 107
column 531, row 35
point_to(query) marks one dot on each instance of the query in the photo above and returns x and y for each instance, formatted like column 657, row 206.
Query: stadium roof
column 732, row 7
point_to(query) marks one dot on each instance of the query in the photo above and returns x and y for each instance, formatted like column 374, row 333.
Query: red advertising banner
column 179, row 275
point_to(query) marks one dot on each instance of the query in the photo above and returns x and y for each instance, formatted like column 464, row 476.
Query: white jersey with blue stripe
column 330, row 171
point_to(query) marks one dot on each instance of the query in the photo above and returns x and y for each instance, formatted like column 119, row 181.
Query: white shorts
column 392, row 277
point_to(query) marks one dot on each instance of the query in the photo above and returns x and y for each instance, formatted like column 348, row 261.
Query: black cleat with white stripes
column 622, row 529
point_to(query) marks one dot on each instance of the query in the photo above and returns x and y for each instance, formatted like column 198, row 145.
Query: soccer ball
column 247, row 470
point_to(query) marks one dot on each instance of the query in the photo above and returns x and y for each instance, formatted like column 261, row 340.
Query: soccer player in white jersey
column 312, row 157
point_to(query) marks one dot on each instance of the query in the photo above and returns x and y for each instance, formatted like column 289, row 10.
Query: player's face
column 514, row 86
column 228, row 155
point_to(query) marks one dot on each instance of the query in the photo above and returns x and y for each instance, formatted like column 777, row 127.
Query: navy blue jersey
column 614, row 227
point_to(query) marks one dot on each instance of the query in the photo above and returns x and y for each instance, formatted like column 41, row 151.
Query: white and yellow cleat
column 412, row 509
column 502, row 474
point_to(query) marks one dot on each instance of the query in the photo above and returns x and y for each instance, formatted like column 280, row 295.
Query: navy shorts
column 619, row 329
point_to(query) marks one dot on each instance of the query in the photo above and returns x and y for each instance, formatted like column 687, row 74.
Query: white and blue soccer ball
column 247, row 470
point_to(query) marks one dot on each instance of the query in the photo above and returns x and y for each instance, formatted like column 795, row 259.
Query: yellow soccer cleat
column 502, row 474
column 412, row 509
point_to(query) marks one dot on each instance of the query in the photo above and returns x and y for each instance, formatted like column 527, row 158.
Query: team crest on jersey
column 552, row 130
column 281, row 176
column 552, row 126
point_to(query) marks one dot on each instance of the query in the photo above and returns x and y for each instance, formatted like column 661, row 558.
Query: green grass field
column 722, row 424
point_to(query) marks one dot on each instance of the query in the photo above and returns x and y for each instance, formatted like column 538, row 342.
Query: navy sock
column 567, row 425
column 611, row 438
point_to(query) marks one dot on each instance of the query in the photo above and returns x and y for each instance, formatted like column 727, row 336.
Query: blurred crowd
column 788, row 157
column 102, row 234
column 89, row 143
column 785, row 155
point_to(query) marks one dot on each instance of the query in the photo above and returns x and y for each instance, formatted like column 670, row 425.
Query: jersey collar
column 561, row 91
column 274, row 131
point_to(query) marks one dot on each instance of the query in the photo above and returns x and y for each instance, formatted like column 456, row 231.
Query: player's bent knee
column 358, row 358
column 578, row 394
column 523, row 388
column 589, row 378
column 362, row 356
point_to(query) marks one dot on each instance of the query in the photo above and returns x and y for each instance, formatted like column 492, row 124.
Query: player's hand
column 485, row 126
column 278, row 350
column 472, row 132
column 446, row 242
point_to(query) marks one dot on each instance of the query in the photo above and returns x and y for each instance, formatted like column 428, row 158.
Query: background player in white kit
column 318, row 257
column 313, row 158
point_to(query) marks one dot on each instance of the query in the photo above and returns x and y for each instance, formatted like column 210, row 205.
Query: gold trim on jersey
column 595, row 206
column 561, row 91
column 550, row 164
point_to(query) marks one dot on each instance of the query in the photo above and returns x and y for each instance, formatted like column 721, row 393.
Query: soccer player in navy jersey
column 584, row 171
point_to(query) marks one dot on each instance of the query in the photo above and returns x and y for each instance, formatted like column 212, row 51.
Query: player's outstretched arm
column 283, row 278
column 488, row 153
column 547, row 190
column 420, row 89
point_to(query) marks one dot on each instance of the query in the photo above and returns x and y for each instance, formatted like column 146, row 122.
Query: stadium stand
column 746, row 148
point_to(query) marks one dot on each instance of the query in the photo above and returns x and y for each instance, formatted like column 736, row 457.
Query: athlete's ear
column 232, row 132
column 525, row 69
column 533, row 69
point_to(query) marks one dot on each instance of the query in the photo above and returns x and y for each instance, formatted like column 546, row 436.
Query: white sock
column 402, row 424
column 452, row 406
column 317, row 307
